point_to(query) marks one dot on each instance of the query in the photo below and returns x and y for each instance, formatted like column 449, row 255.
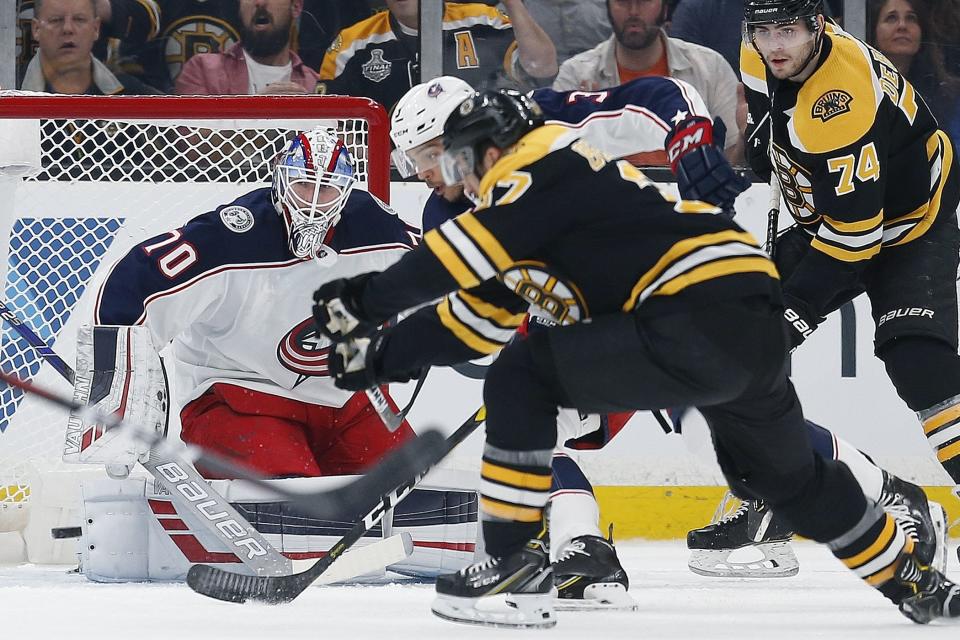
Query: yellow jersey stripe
column 486, row 241
column 509, row 511
column 860, row 226
column 353, row 38
column 876, row 548
column 949, row 452
column 678, row 250
column 495, row 314
column 936, row 421
column 462, row 332
column 450, row 260
column 938, row 143
column 718, row 269
column 520, row 479
column 846, row 255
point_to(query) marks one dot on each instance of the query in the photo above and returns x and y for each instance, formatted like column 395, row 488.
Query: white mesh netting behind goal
column 114, row 171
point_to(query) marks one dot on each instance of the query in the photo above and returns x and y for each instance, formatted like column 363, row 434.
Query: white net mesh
column 106, row 183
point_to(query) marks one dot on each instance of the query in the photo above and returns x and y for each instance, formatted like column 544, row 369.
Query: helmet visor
column 457, row 164
column 771, row 36
column 420, row 159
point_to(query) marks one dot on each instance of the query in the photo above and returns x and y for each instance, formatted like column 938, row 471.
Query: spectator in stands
column 639, row 47
column 378, row 57
column 945, row 24
column 896, row 28
column 711, row 23
column 65, row 31
column 121, row 21
column 261, row 63
column 573, row 25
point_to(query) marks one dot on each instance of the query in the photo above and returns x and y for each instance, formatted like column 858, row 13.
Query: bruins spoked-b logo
column 561, row 300
column 832, row 104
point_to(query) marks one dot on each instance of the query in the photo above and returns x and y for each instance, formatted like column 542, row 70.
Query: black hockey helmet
column 779, row 11
column 496, row 118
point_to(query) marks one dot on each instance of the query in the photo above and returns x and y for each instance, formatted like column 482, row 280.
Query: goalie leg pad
column 118, row 370
column 121, row 539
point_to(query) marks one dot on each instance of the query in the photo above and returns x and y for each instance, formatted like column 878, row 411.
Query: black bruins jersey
column 576, row 236
column 377, row 59
column 859, row 158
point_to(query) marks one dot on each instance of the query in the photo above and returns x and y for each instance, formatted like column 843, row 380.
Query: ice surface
column 823, row 601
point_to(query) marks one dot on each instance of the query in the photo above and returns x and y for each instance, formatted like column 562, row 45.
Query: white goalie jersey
column 226, row 290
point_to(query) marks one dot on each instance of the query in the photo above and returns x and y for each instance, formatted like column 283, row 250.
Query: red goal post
column 84, row 178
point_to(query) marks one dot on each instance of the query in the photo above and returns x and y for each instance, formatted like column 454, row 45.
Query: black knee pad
column 924, row 370
column 829, row 504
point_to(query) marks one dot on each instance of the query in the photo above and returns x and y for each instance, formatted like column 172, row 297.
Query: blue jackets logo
column 237, row 219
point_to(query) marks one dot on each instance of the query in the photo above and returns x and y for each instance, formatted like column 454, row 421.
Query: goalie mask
column 312, row 180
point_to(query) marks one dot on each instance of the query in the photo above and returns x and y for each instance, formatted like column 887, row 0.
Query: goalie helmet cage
column 83, row 179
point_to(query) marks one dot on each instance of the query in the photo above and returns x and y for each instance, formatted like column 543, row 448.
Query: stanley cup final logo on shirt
column 377, row 69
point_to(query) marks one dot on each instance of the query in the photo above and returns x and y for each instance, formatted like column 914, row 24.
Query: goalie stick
column 408, row 464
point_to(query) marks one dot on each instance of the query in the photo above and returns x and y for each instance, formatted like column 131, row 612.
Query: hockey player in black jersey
column 653, row 309
column 872, row 183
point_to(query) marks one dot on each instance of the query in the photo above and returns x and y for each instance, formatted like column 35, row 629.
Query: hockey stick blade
column 410, row 466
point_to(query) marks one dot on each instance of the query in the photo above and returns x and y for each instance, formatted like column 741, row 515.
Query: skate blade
column 524, row 611
column 778, row 561
column 602, row 596
column 939, row 517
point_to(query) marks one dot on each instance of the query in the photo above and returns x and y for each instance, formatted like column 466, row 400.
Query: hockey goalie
column 225, row 292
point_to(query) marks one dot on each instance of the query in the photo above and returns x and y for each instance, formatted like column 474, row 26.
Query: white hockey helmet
column 419, row 117
column 312, row 180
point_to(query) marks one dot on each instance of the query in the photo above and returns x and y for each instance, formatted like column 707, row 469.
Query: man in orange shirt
column 639, row 47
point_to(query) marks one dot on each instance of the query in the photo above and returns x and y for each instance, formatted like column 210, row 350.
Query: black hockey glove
column 355, row 364
column 702, row 171
column 337, row 310
column 801, row 320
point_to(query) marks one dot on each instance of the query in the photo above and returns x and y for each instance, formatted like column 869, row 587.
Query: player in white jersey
column 250, row 369
column 645, row 120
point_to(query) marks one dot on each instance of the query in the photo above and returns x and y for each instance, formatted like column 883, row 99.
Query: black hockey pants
column 728, row 360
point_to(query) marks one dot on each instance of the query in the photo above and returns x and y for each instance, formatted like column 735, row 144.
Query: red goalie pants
column 281, row 437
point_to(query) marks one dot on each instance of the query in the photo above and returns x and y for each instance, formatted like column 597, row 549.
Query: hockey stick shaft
column 35, row 341
column 402, row 471
column 773, row 217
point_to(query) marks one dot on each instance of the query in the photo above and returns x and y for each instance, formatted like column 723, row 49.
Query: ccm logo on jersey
column 201, row 501
column 902, row 313
column 797, row 322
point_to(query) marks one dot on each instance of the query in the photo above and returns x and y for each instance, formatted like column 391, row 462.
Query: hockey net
column 83, row 178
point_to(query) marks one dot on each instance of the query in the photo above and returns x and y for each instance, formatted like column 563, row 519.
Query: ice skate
column 525, row 577
column 588, row 576
column 934, row 596
column 922, row 520
column 750, row 527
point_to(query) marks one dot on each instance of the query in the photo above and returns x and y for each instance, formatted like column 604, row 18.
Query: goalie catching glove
column 694, row 149
column 118, row 370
